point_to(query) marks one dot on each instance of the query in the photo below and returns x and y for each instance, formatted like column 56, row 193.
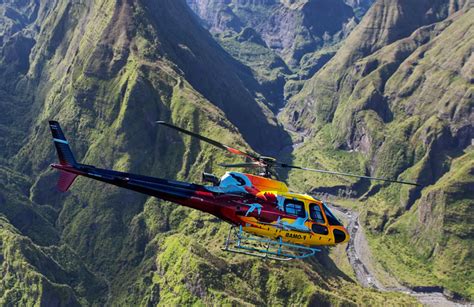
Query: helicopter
column 267, row 220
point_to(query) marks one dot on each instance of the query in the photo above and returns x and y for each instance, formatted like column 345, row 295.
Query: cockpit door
column 317, row 216
column 316, row 213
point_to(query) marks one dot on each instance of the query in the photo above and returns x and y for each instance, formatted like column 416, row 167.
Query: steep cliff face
column 384, row 24
column 360, row 6
column 291, row 28
column 292, row 39
column 398, row 98
column 236, row 92
column 107, row 70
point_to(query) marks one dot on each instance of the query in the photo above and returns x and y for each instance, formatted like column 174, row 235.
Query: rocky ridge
column 398, row 101
column 107, row 70
column 284, row 42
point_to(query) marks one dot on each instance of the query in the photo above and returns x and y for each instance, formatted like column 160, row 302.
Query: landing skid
column 243, row 243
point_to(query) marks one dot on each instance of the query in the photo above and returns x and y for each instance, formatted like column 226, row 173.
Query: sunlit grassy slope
column 396, row 101
column 107, row 70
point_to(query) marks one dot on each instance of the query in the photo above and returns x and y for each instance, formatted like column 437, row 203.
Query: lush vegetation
column 108, row 70
column 401, row 109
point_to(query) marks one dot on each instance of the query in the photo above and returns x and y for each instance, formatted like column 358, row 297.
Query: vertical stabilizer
column 62, row 145
column 66, row 158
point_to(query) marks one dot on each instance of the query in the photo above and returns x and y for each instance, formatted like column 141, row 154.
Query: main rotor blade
column 251, row 164
column 344, row 174
column 212, row 142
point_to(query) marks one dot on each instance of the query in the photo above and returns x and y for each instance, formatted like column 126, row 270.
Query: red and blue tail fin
column 66, row 158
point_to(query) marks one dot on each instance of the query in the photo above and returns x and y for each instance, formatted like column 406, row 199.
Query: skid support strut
column 238, row 241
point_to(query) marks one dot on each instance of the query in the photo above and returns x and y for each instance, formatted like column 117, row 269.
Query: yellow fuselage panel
column 277, row 230
column 290, row 236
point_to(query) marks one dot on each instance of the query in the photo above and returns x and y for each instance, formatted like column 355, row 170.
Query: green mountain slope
column 360, row 6
column 284, row 42
column 291, row 28
column 396, row 101
column 107, row 70
column 37, row 268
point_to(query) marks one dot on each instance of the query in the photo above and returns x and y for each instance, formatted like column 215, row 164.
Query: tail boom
column 183, row 193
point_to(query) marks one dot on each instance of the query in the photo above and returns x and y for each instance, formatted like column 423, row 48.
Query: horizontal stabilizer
column 65, row 180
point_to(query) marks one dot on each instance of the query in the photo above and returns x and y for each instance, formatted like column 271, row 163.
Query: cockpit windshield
column 332, row 220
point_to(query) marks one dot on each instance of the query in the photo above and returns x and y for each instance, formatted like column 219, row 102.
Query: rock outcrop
column 296, row 37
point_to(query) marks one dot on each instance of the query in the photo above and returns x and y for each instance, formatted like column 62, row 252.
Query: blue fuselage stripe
column 61, row 141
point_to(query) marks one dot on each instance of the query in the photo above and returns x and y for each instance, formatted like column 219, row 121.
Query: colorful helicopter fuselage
column 261, row 206
column 257, row 205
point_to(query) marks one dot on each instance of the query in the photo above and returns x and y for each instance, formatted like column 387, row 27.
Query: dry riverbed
column 361, row 261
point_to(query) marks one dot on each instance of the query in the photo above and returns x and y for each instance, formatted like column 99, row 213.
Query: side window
column 294, row 207
column 315, row 213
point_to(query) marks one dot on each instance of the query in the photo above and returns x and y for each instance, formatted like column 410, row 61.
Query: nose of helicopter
column 341, row 235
